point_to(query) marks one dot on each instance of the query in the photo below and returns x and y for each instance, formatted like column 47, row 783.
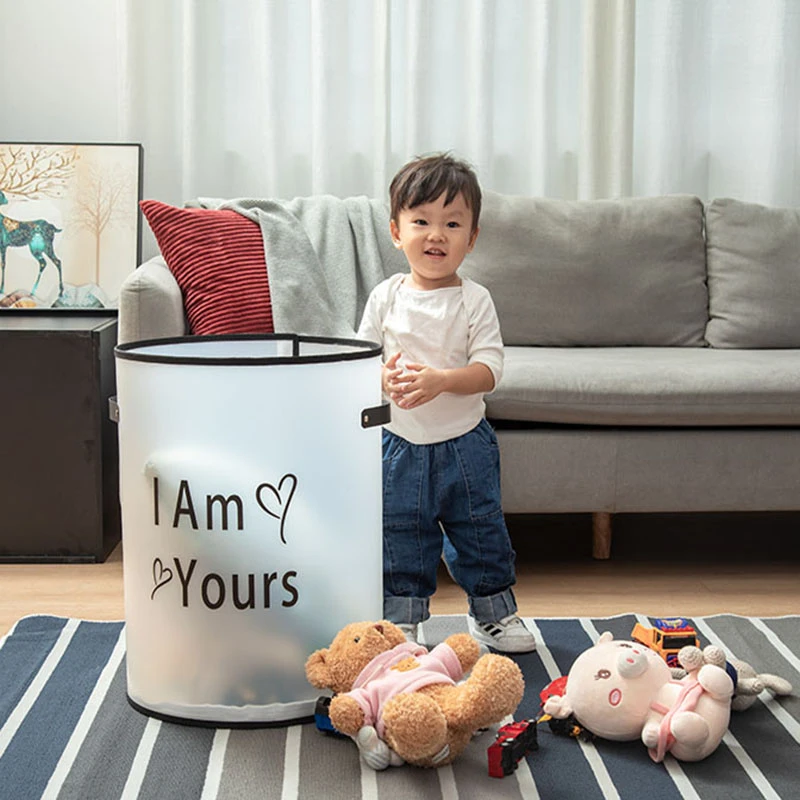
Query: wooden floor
column 552, row 589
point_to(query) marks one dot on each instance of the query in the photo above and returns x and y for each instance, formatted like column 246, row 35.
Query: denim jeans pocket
column 486, row 433
column 392, row 445
column 400, row 484
column 477, row 469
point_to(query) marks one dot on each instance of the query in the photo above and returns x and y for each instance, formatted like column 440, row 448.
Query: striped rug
column 67, row 731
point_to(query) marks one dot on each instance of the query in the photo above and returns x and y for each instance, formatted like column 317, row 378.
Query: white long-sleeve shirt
column 442, row 328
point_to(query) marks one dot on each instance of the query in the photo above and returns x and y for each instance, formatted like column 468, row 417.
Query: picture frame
column 70, row 224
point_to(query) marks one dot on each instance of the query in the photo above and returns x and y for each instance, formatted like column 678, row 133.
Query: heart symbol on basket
column 161, row 575
column 278, row 499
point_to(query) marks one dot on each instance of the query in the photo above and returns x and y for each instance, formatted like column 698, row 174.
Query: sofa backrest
column 753, row 275
column 594, row 273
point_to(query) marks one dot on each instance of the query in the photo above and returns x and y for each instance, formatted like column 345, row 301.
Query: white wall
column 59, row 70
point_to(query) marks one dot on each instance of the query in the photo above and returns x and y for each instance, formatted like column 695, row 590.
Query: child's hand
column 389, row 375
column 418, row 385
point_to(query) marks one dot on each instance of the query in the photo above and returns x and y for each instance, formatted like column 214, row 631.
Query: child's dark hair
column 424, row 179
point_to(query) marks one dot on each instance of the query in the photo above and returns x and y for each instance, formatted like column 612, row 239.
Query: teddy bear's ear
column 317, row 669
column 391, row 632
column 557, row 706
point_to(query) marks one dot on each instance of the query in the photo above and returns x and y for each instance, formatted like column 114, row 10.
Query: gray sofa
column 652, row 352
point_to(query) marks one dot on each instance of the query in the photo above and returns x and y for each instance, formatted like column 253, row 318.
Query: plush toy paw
column 715, row 681
column 650, row 735
column 415, row 726
column 375, row 752
column 751, row 686
column 471, row 706
column 689, row 729
column 466, row 648
column 690, row 658
column 714, row 655
column 346, row 715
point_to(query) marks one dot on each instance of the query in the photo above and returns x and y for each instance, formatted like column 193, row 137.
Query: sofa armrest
column 151, row 304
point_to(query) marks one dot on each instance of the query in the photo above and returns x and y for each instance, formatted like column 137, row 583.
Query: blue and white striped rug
column 67, row 731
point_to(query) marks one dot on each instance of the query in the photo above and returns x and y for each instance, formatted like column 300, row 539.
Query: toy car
column 513, row 742
column 561, row 727
column 667, row 636
column 322, row 717
column 556, row 687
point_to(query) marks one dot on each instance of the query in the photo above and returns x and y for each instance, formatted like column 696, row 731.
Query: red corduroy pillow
column 217, row 258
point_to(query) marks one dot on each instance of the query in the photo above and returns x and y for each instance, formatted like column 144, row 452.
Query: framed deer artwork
column 70, row 226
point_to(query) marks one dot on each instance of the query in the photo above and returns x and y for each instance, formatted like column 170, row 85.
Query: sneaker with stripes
column 507, row 635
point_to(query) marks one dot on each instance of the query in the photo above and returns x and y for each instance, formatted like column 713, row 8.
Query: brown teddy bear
column 413, row 698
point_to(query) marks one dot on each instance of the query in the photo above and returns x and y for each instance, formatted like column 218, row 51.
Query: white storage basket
column 250, row 482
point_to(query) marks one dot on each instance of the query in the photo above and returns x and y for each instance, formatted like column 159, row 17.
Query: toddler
column 441, row 464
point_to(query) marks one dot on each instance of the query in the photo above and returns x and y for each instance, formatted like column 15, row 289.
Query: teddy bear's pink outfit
column 378, row 682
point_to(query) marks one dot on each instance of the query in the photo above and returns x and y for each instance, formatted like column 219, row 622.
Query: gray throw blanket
column 324, row 255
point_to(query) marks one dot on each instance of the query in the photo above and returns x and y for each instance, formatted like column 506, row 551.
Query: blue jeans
column 455, row 483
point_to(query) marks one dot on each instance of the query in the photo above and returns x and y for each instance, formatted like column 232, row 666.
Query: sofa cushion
column 217, row 258
column 671, row 386
column 753, row 275
column 600, row 272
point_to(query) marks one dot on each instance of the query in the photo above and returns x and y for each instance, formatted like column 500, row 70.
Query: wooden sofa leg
column 601, row 534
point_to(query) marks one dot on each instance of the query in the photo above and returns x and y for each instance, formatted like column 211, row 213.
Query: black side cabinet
column 59, row 465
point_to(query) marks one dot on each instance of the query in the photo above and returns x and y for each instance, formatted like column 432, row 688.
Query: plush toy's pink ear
column 605, row 636
column 317, row 669
column 557, row 706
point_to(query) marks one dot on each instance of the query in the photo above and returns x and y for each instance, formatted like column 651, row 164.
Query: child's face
column 435, row 238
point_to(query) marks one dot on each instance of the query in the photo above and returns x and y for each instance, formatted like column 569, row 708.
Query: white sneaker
column 508, row 635
column 410, row 631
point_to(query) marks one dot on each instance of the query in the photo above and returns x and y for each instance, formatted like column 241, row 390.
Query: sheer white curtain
column 717, row 99
column 565, row 98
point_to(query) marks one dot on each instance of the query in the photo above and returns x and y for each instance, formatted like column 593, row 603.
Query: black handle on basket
column 377, row 415
column 113, row 409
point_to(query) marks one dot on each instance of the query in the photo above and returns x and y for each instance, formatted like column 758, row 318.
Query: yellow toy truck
column 667, row 636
